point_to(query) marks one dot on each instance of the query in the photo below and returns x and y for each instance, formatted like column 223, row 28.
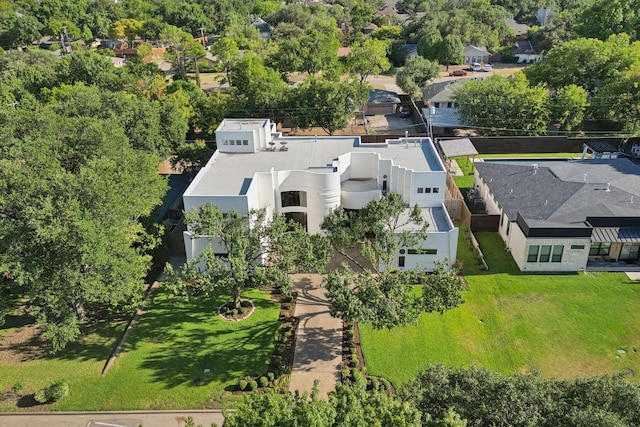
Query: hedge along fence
column 472, row 243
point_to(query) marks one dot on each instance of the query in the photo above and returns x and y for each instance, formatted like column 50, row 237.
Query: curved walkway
column 318, row 352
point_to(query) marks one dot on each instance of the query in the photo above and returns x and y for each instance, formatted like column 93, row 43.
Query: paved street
column 111, row 419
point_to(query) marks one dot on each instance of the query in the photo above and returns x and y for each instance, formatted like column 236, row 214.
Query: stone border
column 253, row 308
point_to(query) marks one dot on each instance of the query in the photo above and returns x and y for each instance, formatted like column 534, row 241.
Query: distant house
column 262, row 26
column 519, row 30
column 440, row 96
column 369, row 29
column 381, row 102
column 571, row 215
column 525, row 52
column 472, row 53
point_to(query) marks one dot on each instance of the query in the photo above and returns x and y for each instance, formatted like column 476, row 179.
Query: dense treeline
column 446, row 397
column 600, row 87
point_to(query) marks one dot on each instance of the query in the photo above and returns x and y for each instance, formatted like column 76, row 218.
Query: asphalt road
column 111, row 419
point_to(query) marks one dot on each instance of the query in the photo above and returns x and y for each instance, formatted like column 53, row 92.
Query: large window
column 545, row 253
column 599, row 249
column 299, row 217
column 422, row 251
column 293, row 198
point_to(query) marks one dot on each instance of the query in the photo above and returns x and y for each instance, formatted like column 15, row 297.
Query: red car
column 458, row 73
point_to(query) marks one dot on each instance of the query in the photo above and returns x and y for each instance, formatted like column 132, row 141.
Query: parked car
column 458, row 73
column 488, row 67
column 403, row 111
column 476, row 67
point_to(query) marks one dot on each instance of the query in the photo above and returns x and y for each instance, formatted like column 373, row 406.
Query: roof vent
column 608, row 187
column 584, row 178
column 535, row 168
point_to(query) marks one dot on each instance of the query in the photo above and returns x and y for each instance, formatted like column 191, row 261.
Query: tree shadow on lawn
column 179, row 348
column 97, row 342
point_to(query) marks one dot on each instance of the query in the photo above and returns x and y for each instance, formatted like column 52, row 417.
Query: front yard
column 559, row 325
column 165, row 359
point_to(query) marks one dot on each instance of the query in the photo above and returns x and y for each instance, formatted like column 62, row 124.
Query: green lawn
column 164, row 358
column 560, row 325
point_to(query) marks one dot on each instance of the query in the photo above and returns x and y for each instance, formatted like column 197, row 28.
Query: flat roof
column 226, row 173
column 437, row 218
column 241, row 124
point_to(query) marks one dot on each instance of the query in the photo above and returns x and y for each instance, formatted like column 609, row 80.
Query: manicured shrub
column 374, row 384
column 234, row 312
column 352, row 348
column 271, row 376
column 354, row 361
column 386, row 384
column 277, row 361
column 253, row 385
column 57, row 391
column 263, row 381
column 40, row 396
column 350, row 334
column 242, row 384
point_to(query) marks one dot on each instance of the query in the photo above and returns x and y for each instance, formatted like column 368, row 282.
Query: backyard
column 181, row 355
column 561, row 325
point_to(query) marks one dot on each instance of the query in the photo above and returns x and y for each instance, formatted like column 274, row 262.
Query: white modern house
column 571, row 215
column 305, row 178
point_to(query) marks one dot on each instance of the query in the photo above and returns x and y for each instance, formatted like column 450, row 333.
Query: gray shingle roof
column 565, row 192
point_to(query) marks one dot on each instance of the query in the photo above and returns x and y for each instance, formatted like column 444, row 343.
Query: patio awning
column 616, row 234
column 457, row 147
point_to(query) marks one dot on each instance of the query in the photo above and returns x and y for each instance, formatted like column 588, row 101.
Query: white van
column 476, row 67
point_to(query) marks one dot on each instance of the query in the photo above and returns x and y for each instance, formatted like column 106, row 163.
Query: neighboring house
column 118, row 62
column 519, row 30
column 571, row 215
column 305, row 178
column 369, row 29
column 525, row 52
column 440, row 96
column 381, row 102
column 264, row 28
column 472, row 53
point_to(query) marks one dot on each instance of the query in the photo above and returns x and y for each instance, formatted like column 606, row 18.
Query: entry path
column 318, row 352
column 112, row 419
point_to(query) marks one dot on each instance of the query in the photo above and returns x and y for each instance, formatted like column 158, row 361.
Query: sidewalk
column 111, row 419
column 318, row 351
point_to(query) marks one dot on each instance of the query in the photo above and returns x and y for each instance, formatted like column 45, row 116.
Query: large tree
column 504, row 105
column 367, row 58
column 246, row 252
column 327, row 104
column 379, row 294
column 415, row 74
column 72, row 193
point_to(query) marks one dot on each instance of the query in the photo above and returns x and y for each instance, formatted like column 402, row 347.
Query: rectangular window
column 533, row 253
column 436, row 104
column 436, row 189
column 238, row 142
column 599, row 248
column 401, row 261
column 420, row 190
column 225, row 142
column 545, row 253
column 245, row 142
column 508, row 227
column 427, row 189
column 448, row 105
column 422, row 251
column 577, row 247
column 384, row 185
column 557, row 254
column 293, row 198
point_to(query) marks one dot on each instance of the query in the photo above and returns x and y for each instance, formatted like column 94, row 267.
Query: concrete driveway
column 318, row 353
